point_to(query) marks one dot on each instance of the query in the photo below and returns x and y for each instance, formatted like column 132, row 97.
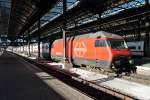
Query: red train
column 100, row 49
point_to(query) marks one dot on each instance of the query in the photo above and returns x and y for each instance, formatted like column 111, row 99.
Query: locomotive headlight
column 131, row 61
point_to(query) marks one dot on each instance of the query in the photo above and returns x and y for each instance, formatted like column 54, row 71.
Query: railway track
column 91, row 89
column 133, row 77
column 138, row 78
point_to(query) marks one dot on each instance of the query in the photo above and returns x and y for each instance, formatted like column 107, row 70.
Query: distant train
column 32, row 49
column 136, row 48
column 101, row 50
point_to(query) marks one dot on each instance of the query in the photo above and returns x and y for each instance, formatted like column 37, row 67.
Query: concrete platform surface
column 19, row 81
column 143, row 65
column 142, row 61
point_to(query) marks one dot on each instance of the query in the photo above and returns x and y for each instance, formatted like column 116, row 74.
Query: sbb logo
column 80, row 49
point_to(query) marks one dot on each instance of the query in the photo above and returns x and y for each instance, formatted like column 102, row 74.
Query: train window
column 96, row 43
column 46, row 47
column 100, row 43
column 139, row 47
column 117, row 44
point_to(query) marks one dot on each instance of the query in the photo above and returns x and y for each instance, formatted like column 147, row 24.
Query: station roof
column 80, row 10
column 25, row 12
column 117, row 16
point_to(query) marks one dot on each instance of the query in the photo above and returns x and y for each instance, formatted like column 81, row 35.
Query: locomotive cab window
column 117, row 44
column 100, row 43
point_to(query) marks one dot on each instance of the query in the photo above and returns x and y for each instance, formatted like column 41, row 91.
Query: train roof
column 97, row 34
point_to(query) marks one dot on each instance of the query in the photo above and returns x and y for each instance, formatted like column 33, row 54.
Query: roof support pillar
column 23, row 42
column 99, row 21
column 64, row 31
column 29, row 42
column 139, row 30
column 147, row 2
column 39, row 25
column 146, row 40
column 147, row 36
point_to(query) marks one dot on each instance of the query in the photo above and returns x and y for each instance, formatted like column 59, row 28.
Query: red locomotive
column 100, row 49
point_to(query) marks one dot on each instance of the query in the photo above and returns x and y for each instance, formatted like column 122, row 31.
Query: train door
column 45, row 50
column 101, row 53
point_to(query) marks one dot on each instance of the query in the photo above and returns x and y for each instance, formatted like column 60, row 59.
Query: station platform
column 143, row 61
column 143, row 65
column 20, row 80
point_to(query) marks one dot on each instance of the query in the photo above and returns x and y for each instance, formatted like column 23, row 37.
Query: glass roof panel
column 56, row 11
column 128, row 5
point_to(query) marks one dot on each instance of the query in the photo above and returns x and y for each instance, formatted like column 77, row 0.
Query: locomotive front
column 121, row 56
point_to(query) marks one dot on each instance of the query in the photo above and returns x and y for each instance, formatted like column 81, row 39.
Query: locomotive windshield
column 117, row 44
